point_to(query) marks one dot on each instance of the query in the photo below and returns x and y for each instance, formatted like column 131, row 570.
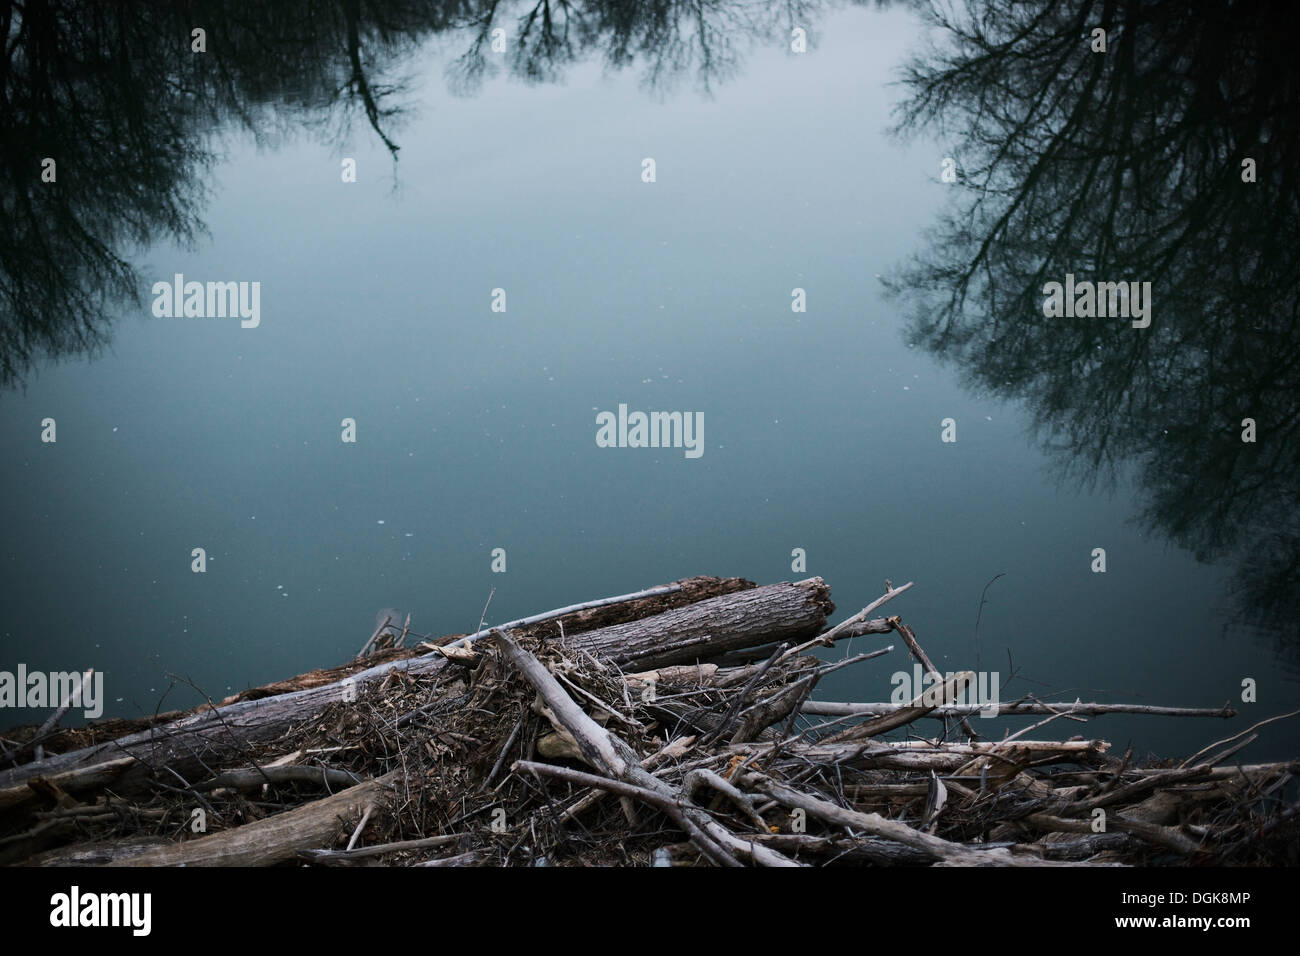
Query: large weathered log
column 71, row 780
column 275, row 839
column 223, row 735
column 97, row 853
column 590, row 615
column 708, row 629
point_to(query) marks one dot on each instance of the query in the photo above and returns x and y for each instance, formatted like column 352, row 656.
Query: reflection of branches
column 357, row 81
column 544, row 42
column 666, row 38
column 465, row 74
column 1126, row 166
column 127, row 112
column 673, row 37
column 60, row 267
column 129, row 135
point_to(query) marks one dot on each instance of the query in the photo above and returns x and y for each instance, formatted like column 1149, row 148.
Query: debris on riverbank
column 674, row 726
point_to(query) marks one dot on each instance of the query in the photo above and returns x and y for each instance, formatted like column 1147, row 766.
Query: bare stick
column 980, row 613
column 463, row 859
column 857, row 658
column 824, row 708
column 700, row 777
column 561, row 612
column 1204, row 750
column 501, row 757
column 670, row 806
column 673, row 749
column 274, row 839
column 44, row 730
column 910, row 640
column 840, row 629
column 736, row 704
column 592, row 739
column 259, row 776
column 1167, row 837
column 921, row 705
column 373, row 637
column 482, row 617
column 935, row 847
column 356, row 834
column 342, row 856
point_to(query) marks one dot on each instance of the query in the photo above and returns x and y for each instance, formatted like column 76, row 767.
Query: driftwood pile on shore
column 673, row 726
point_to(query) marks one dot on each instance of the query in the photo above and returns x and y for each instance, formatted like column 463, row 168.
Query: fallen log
column 590, row 615
column 96, row 853
column 769, row 614
column 275, row 839
column 224, row 735
column 73, row 780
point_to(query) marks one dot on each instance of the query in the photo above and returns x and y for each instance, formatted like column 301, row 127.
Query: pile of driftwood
column 674, row 726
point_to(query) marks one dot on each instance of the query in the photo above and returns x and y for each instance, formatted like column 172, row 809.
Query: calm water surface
column 476, row 429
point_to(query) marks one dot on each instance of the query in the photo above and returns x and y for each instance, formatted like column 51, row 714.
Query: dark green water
column 477, row 429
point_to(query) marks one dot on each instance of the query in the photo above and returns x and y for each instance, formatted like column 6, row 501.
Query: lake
column 820, row 290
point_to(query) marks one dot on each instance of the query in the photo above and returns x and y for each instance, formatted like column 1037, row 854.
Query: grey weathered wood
column 361, row 853
column 258, row 776
column 38, row 738
column 918, row 708
column 98, row 853
column 221, row 736
column 770, row 614
column 613, row 757
column 937, row 848
column 824, row 708
column 73, row 779
column 275, row 839
column 571, row 609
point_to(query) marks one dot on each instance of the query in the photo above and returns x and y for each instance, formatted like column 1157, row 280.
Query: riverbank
column 672, row 726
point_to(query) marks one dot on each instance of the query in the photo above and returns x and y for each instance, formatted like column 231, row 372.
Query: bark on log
column 72, row 780
column 275, row 839
column 765, row 615
column 590, row 615
column 99, row 853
